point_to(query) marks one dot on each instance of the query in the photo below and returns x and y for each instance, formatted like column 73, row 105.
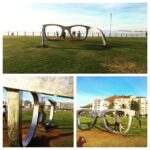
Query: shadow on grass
column 66, row 126
column 44, row 141
column 85, row 46
column 95, row 47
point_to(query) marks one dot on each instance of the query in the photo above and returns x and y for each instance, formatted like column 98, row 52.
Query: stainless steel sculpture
column 102, row 114
column 71, row 30
column 34, row 122
column 51, row 115
column 60, row 86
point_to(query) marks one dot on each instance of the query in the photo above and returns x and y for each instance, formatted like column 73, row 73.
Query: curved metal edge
column 94, row 119
column 129, row 112
column 34, row 122
column 105, row 43
column 51, row 115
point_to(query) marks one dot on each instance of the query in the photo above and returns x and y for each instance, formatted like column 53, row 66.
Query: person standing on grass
column 117, row 122
column 79, row 35
column 74, row 33
column 57, row 34
column 63, row 34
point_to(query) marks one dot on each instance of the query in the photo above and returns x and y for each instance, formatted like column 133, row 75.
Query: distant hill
column 112, row 98
column 87, row 106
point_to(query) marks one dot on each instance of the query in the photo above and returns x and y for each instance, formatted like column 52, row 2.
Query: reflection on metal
column 69, row 28
column 34, row 122
column 102, row 114
column 51, row 115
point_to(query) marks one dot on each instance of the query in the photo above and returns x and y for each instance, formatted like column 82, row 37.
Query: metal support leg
column 43, row 36
column 14, row 118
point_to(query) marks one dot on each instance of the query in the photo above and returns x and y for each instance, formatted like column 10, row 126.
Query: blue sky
column 89, row 88
column 32, row 14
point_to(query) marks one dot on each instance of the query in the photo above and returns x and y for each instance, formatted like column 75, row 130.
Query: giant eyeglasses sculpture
column 117, row 121
column 56, row 32
column 60, row 86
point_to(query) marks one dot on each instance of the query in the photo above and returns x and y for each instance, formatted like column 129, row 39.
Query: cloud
column 29, row 15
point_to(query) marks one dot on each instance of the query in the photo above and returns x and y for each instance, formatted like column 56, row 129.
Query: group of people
column 63, row 34
column 78, row 34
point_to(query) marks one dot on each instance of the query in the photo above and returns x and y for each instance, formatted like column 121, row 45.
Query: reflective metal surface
column 92, row 122
column 34, row 122
column 102, row 114
column 51, row 115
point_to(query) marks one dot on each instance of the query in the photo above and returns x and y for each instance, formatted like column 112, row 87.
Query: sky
column 28, row 96
column 89, row 88
column 30, row 15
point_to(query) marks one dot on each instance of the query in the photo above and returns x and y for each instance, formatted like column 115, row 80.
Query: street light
column 110, row 24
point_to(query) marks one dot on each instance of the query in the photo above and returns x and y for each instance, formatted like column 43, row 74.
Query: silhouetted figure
column 73, row 33
column 79, row 35
column 63, row 34
column 57, row 34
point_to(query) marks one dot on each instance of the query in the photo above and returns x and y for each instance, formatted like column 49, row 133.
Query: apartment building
column 123, row 102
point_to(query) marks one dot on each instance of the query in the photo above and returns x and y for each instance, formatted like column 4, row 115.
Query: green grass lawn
column 136, row 137
column 25, row 55
column 62, row 119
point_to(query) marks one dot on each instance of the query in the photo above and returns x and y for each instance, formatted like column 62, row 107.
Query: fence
column 115, row 34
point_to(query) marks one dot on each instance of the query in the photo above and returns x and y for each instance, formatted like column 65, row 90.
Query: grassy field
column 99, row 137
column 59, row 135
column 62, row 119
column 25, row 55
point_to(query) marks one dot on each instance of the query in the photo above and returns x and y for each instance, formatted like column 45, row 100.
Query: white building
column 26, row 104
column 124, row 102
column 99, row 104
column 143, row 105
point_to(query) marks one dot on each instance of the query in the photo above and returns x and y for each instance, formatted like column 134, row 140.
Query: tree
column 123, row 106
column 134, row 106
column 111, row 105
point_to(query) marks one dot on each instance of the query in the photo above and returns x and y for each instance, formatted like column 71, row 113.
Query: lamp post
column 110, row 24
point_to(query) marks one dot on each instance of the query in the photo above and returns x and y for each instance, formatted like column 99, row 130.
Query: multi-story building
column 64, row 105
column 143, row 105
column 120, row 102
column 100, row 104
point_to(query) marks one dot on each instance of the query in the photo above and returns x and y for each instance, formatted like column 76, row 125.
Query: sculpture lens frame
column 90, row 125
column 128, row 113
column 72, row 37
column 102, row 114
